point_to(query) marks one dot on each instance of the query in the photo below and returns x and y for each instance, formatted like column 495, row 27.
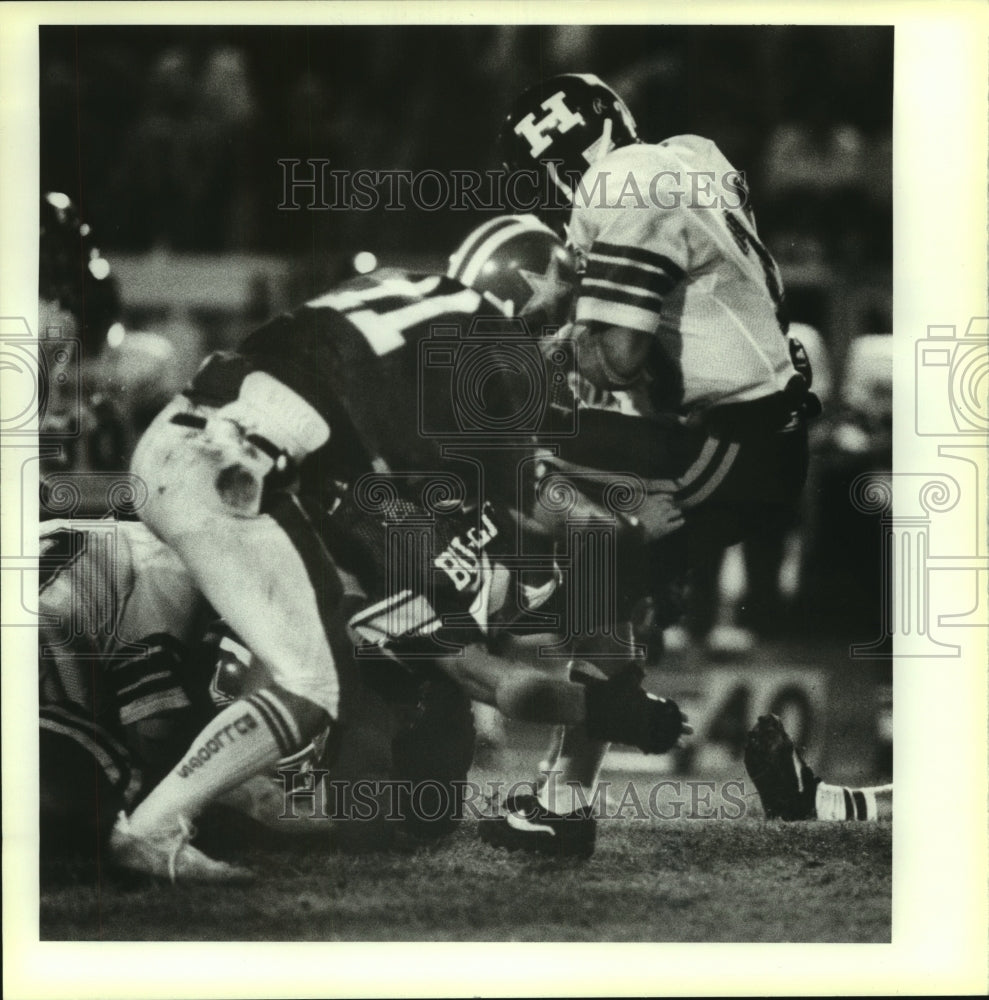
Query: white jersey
column 117, row 607
column 669, row 248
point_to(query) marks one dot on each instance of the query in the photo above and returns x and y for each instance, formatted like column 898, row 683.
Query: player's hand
column 660, row 515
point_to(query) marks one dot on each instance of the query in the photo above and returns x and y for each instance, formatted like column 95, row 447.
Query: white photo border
column 940, row 857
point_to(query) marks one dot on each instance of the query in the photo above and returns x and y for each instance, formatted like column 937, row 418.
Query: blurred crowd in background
column 168, row 141
column 172, row 137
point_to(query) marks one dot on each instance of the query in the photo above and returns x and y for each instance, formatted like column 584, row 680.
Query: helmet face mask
column 522, row 266
column 563, row 126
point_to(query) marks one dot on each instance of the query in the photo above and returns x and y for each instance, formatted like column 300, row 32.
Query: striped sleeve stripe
column 148, row 705
column 105, row 750
column 639, row 255
column 141, row 658
column 108, row 765
column 712, row 477
column 606, row 292
column 591, row 309
column 158, row 659
column 849, row 805
column 148, row 680
column 639, row 276
column 72, row 715
column 274, row 724
column 369, row 612
column 615, row 292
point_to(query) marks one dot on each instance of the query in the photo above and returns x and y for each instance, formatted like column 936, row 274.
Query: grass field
column 649, row 880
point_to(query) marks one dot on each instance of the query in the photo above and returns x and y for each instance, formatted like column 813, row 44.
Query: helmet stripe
column 518, row 224
column 460, row 259
column 471, row 257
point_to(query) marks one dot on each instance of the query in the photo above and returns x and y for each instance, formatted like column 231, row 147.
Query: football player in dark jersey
column 386, row 375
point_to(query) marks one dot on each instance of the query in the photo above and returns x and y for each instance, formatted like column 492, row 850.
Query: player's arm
column 635, row 257
column 610, row 357
column 614, row 710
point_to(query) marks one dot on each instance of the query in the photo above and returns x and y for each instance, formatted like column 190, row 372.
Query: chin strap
column 603, row 146
column 555, row 178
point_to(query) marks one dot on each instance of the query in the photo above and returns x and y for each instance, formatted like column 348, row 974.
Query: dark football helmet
column 523, row 266
column 73, row 274
column 564, row 125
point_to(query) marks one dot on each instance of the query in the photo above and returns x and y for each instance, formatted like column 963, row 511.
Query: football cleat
column 786, row 785
column 524, row 825
column 169, row 854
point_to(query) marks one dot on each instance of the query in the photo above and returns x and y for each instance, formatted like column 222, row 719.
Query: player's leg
column 577, row 752
column 257, row 581
column 556, row 818
column 790, row 790
column 266, row 576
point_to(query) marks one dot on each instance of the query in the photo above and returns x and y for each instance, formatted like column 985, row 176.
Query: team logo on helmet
column 565, row 125
column 522, row 266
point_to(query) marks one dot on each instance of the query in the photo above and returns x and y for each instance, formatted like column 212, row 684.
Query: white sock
column 575, row 772
column 550, row 761
column 836, row 803
column 238, row 743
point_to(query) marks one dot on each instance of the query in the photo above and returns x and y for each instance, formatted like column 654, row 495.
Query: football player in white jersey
column 119, row 616
column 680, row 319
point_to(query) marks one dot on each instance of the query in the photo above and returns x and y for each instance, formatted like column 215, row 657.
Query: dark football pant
column 728, row 487
column 86, row 778
column 744, row 488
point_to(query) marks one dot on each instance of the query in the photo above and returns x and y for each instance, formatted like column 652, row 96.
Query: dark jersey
column 434, row 400
column 399, row 366
column 432, row 575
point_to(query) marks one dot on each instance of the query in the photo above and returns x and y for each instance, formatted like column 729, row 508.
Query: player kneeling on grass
column 119, row 617
column 790, row 790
